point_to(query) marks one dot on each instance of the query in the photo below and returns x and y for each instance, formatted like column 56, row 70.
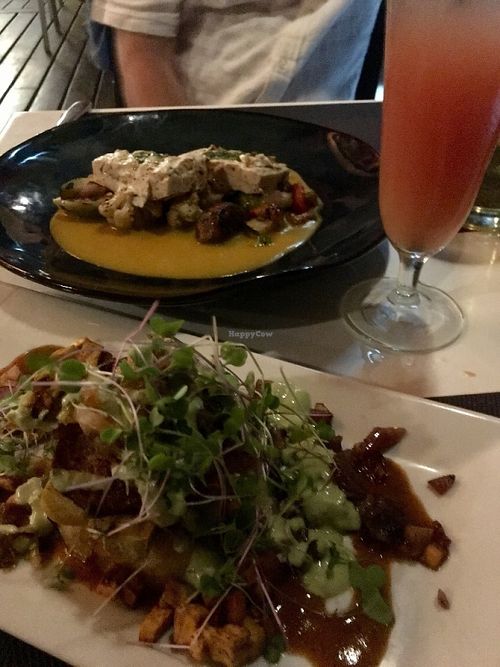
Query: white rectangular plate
column 440, row 440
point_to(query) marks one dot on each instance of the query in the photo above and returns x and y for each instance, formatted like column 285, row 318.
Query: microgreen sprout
column 269, row 600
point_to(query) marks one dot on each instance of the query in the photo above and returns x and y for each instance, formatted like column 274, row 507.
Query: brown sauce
column 328, row 641
column 354, row 639
column 396, row 488
column 324, row 640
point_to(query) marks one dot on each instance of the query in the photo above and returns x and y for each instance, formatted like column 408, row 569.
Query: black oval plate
column 31, row 174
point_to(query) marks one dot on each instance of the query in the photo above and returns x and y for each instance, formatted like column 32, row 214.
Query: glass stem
column 406, row 292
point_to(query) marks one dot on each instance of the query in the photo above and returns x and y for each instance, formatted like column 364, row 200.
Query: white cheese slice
column 156, row 176
column 175, row 174
column 250, row 173
column 152, row 176
column 115, row 170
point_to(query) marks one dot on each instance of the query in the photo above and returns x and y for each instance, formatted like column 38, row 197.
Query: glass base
column 483, row 220
column 432, row 322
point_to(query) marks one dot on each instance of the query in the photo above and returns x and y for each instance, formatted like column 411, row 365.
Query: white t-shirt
column 255, row 51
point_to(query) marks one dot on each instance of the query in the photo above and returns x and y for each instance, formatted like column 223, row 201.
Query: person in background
column 222, row 52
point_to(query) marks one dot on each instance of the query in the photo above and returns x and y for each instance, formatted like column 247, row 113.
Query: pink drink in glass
column 441, row 116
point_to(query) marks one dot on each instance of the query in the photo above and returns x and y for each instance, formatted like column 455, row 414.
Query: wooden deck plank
column 29, row 6
column 7, row 4
column 84, row 83
column 13, row 31
column 17, row 99
column 33, row 79
column 22, row 5
column 62, row 68
column 39, row 62
column 5, row 19
column 35, row 70
column 18, row 56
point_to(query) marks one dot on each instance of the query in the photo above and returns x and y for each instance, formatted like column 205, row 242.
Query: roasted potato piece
column 155, row 624
column 235, row 645
column 60, row 509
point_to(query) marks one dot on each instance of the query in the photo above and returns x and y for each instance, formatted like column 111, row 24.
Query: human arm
column 147, row 72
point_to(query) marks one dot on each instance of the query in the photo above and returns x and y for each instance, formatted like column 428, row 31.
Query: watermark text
column 249, row 334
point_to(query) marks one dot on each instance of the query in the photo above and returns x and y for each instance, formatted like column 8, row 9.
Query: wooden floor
column 30, row 79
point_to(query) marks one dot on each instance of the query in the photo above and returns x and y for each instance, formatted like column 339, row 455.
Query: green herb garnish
column 275, row 648
column 369, row 581
column 223, row 154
column 263, row 240
column 142, row 156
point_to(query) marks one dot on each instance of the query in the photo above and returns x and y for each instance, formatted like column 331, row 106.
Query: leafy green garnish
column 232, row 540
column 160, row 462
column 110, row 435
column 210, row 587
column 223, row 154
column 182, row 358
column 233, row 354
column 142, row 156
column 275, row 648
column 62, row 577
column 324, row 431
column 269, row 400
column 128, row 372
column 368, row 581
column 263, row 240
column 71, row 370
column 217, row 583
column 37, row 359
column 22, row 543
column 165, row 328
column 235, row 421
column 9, row 464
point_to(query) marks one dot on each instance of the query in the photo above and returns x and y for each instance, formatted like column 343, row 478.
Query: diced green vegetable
column 328, row 506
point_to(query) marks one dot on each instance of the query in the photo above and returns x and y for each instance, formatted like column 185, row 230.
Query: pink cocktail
column 441, row 119
column 441, row 116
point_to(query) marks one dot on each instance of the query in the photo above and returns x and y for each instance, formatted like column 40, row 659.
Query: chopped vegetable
column 442, row 485
column 302, row 199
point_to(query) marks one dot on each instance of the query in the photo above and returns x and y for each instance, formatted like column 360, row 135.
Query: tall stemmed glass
column 441, row 120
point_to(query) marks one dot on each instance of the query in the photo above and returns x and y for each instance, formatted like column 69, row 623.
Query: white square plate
column 440, row 440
